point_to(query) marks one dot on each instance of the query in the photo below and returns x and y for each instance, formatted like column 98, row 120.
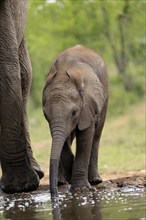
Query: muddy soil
column 136, row 180
column 131, row 181
column 110, row 181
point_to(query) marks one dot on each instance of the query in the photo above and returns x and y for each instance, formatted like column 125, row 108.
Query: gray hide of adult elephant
column 75, row 101
column 20, row 171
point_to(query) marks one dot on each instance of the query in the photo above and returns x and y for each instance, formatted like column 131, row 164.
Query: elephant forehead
column 66, row 93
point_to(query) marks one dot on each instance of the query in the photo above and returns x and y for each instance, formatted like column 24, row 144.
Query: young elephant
column 75, row 101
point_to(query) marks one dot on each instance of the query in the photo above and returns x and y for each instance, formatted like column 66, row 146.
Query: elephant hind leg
column 66, row 162
column 26, row 76
column 93, row 175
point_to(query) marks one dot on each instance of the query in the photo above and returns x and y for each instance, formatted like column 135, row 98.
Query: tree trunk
column 120, row 56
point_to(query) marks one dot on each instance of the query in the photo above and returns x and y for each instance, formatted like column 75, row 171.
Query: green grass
column 123, row 142
column 122, row 146
column 115, row 159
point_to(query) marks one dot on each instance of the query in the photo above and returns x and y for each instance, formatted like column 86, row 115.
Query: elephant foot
column 13, row 182
column 39, row 171
column 94, row 178
column 37, row 167
column 80, row 187
column 68, row 179
column 61, row 180
column 61, row 175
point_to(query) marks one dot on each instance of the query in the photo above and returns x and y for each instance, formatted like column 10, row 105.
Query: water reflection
column 77, row 207
column 25, row 206
column 127, row 203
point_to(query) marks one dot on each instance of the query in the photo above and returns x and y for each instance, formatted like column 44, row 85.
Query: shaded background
column 116, row 30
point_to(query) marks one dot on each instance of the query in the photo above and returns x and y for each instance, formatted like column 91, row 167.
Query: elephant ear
column 90, row 90
column 50, row 77
column 52, row 73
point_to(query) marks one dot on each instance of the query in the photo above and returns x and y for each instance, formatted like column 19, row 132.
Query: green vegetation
column 116, row 30
column 123, row 142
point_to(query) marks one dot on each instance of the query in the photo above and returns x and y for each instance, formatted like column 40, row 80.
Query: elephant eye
column 74, row 112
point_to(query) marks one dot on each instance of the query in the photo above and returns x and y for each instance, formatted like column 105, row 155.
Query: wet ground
column 123, row 198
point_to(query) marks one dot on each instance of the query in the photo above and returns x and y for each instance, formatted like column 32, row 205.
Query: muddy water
column 128, row 203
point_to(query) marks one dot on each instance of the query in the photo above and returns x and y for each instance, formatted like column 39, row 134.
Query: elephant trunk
column 57, row 145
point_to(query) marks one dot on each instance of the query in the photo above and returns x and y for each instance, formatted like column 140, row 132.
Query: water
column 129, row 203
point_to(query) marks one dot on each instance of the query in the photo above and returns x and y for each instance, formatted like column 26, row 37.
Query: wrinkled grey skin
column 20, row 171
column 75, row 101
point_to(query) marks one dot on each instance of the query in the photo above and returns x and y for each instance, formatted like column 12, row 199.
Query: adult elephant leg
column 17, row 174
column 66, row 161
column 93, row 175
column 26, row 76
column 84, row 141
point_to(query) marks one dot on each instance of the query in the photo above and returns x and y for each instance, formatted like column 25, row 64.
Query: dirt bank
column 110, row 176
column 110, row 181
column 136, row 180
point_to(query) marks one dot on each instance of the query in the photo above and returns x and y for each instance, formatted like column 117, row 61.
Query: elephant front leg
column 84, row 141
column 26, row 77
column 66, row 161
column 17, row 173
